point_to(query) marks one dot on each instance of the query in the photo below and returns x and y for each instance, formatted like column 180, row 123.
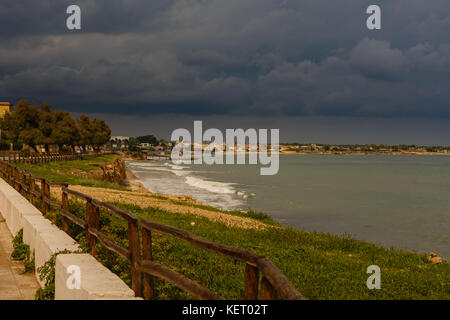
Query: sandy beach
column 139, row 195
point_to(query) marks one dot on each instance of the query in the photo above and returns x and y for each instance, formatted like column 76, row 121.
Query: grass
column 260, row 216
column 75, row 172
column 321, row 266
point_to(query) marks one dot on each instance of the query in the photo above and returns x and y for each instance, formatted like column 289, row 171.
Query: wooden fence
column 35, row 157
column 272, row 285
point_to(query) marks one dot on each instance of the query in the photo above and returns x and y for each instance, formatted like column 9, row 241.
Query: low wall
column 46, row 239
column 96, row 282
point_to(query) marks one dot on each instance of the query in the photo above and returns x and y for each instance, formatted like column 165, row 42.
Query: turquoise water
column 398, row 201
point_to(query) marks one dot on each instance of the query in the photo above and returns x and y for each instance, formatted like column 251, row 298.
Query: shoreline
column 135, row 181
column 137, row 186
column 303, row 256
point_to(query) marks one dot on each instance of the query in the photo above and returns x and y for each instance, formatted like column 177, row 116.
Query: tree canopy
column 151, row 139
column 33, row 126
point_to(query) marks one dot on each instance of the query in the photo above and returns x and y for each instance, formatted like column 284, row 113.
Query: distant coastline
column 365, row 153
column 290, row 152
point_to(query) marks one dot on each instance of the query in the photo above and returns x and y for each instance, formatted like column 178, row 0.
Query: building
column 5, row 107
column 145, row 145
column 120, row 138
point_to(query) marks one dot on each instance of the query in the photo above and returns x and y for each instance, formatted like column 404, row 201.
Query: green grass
column 59, row 171
column 260, row 216
column 321, row 266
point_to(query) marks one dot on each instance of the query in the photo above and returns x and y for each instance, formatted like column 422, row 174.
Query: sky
column 308, row 67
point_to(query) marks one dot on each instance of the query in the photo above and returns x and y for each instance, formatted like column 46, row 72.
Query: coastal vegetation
column 21, row 252
column 32, row 126
column 74, row 172
column 321, row 266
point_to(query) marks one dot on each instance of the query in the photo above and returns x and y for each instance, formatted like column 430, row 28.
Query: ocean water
column 395, row 201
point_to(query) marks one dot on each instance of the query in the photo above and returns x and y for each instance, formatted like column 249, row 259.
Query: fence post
column 65, row 206
column 88, row 221
column 16, row 179
column 251, row 282
column 32, row 189
column 8, row 173
column 92, row 220
column 44, row 191
column 24, row 181
column 267, row 290
column 147, row 254
column 11, row 175
column 133, row 239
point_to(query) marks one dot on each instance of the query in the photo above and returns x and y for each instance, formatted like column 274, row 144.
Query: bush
column 21, row 252
column 47, row 274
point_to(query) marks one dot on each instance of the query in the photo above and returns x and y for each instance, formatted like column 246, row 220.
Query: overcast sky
column 308, row 67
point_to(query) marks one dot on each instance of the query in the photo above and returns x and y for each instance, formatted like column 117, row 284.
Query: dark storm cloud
column 241, row 57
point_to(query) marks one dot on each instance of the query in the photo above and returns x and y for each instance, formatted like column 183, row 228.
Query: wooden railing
column 35, row 157
column 272, row 285
column 273, row 281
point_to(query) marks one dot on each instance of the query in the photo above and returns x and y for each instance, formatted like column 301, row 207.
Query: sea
column 399, row 201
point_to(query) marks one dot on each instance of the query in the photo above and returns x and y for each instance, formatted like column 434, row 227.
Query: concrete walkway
column 13, row 284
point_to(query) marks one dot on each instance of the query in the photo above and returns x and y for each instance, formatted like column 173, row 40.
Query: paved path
column 13, row 284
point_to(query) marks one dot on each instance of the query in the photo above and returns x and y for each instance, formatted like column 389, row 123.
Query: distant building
column 120, row 138
column 5, row 107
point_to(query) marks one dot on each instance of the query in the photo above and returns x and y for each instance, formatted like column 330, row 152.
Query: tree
column 46, row 125
column 101, row 133
column 33, row 126
column 94, row 133
column 148, row 139
column 86, row 134
column 65, row 131
column 22, row 125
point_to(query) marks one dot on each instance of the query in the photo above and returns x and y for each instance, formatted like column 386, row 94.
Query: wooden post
column 8, row 173
column 24, row 181
column 133, row 239
column 251, row 282
column 32, row 189
column 16, row 179
column 147, row 254
column 267, row 290
column 88, row 221
column 44, row 194
column 65, row 206
column 93, row 221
